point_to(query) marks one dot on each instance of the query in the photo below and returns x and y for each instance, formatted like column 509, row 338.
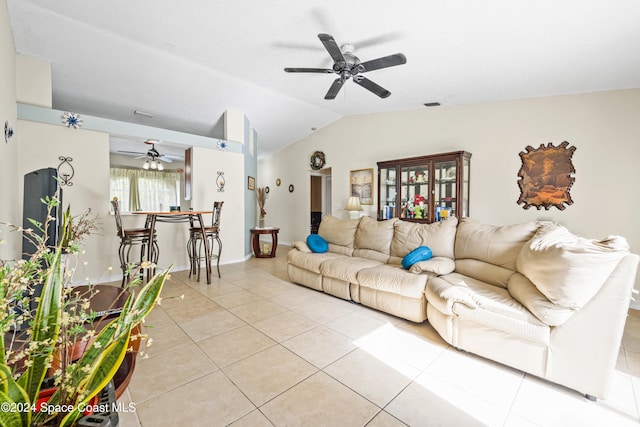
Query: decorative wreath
column 317, row 160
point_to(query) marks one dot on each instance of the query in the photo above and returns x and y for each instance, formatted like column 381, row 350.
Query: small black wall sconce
column 65, row 171
column 220, row 182
column 8, row 132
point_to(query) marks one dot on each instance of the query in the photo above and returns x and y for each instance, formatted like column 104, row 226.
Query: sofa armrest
column 443, row 295
column 301, row 246
column 438, row 265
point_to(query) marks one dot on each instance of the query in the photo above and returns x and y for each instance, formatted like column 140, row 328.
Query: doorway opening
column 320, row 203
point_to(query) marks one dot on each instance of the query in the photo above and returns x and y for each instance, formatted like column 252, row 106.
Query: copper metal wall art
column 546, row 176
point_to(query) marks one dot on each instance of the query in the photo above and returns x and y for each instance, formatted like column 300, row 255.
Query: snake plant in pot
column 35, row 340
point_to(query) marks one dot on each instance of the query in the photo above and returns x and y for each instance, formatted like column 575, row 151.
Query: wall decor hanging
column 220, row 182
column 8, row 132
column 317, row 160
column 65, row 171
column 251, row 183
column 71, row 120
column 278, row 182
column 546, row 176
column 361, row 185
column 291, row 188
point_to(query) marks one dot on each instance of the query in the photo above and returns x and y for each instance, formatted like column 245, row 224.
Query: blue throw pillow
column 421, row 253
column 317, row 243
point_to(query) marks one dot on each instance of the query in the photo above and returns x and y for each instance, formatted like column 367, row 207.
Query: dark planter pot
column 106, row 402
column 109, row 416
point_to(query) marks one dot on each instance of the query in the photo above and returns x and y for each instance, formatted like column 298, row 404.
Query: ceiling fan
column 346, row 65
column 153, row 157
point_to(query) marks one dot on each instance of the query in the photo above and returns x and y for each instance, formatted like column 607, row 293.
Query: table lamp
column 354, row 207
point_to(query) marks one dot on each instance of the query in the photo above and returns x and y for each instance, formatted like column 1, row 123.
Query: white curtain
column 145, row 190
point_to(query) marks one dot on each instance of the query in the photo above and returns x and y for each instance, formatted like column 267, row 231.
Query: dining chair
column 128, row 239
column 195, row 245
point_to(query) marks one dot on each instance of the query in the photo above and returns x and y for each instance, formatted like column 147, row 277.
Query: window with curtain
column 144, row 190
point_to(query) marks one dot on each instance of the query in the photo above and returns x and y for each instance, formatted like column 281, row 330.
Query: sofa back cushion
column 567, row 269
column 438, row 236
column 497, row 245
column 373, row 239
column 339, row 233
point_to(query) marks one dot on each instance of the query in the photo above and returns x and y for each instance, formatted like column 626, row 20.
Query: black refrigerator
column 38, row 185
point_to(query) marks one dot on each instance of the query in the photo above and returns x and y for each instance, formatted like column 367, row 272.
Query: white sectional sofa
column 532, row 296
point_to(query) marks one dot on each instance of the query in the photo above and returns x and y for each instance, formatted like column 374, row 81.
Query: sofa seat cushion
column 392, row 278
column 498, row 245
column 494, row 306
column 309, row 260
column 346, row 268
column 569, row 270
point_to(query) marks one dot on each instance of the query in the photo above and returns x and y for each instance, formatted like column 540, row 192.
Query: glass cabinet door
column 388, row 193
column 414, row 189
column 465, row 186
column 445, row 189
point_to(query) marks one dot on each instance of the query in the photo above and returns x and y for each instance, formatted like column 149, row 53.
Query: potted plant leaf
column 57, row 322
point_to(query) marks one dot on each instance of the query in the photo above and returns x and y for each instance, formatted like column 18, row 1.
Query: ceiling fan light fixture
column 145, row 165
column 160, row 166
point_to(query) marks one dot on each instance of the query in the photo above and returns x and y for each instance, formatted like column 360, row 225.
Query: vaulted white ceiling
column 186, row 62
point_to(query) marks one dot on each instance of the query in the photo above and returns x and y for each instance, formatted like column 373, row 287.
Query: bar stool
column 195, row 243
column 130, row 238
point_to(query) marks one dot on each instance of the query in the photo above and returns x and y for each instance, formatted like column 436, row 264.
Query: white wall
column 33, row 81
column 11, row 242
column 205, row 165
column 39, row 146
column 605, row 128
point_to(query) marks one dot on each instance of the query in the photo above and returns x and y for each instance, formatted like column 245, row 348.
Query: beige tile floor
column 253, row 349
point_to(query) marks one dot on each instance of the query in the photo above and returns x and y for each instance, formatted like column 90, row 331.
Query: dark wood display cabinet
column 425, row 188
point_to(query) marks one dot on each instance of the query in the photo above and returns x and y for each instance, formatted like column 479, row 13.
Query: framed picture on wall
column 251, row 183
column 361, row 182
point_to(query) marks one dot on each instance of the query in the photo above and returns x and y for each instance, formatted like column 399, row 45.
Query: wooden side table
column 255, row 241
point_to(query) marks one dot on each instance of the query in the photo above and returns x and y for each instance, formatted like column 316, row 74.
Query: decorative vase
column 261, row 222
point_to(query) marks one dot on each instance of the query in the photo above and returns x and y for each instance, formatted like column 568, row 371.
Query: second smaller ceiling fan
column 346, row 65
column 153, row 156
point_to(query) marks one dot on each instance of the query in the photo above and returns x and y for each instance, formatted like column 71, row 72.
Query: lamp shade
column 353, row 204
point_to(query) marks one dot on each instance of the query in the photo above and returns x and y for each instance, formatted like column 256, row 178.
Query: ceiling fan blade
column 373, row 87
column 130, row 152
column 309, row 70
column 174, row 156
column 384, row 62
column 334, row 89
column 165, row 159
column 376, row 40
column 332, row 47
